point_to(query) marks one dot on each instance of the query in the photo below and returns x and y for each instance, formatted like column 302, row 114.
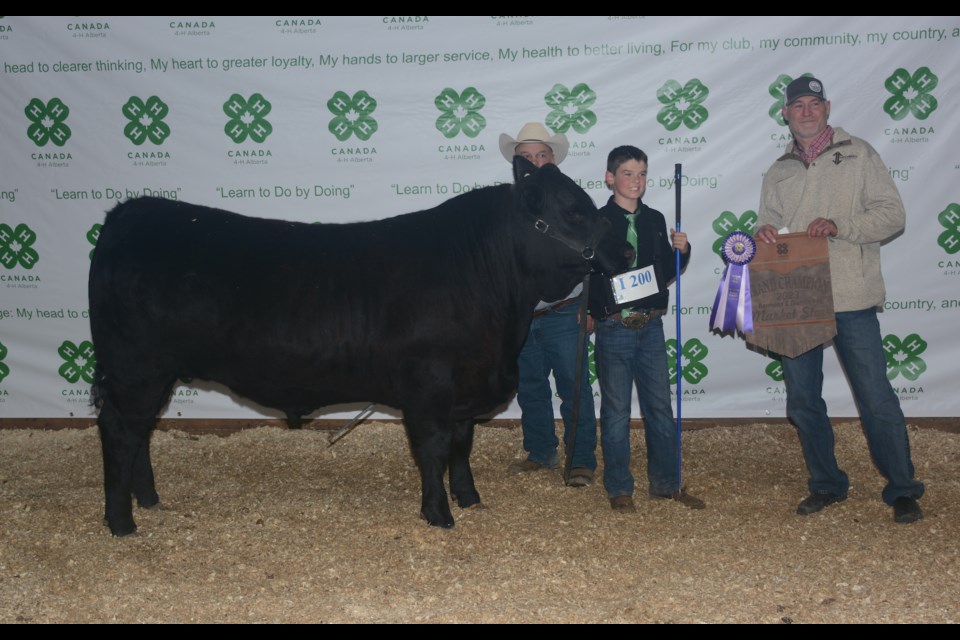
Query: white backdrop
column 338, row 118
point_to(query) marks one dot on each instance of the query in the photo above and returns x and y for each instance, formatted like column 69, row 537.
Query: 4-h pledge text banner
column 340, row 118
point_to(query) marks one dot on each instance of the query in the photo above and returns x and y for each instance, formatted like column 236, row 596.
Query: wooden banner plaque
column 791, row 294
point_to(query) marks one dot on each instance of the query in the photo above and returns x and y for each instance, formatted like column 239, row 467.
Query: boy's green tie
column 632, row 239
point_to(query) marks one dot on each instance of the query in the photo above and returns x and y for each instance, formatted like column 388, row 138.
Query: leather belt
column 638, row 319
column 563, row 303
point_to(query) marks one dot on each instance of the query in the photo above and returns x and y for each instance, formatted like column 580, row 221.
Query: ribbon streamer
column 732, row 307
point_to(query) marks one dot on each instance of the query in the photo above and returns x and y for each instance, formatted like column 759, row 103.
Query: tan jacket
column 849, row 184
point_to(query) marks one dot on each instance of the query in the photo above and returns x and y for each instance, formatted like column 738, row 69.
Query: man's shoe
column 525, row 466
column 623, row 504
column 684, row 498
column 906, row 510
column 580, row 477
column 816, row 502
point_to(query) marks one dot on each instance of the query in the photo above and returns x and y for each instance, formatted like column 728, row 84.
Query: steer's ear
column 522, row 168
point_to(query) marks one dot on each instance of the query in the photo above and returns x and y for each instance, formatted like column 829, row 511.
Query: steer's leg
column 462, row 488
column 142, row 483
column 430, row 445
column 120, row 446
column 126, row 419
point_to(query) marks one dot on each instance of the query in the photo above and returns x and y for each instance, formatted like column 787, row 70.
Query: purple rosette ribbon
column 731, row 308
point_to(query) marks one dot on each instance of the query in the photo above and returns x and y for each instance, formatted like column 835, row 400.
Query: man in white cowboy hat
column 552, row 345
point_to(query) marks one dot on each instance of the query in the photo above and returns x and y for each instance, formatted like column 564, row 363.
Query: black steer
column 424, row 312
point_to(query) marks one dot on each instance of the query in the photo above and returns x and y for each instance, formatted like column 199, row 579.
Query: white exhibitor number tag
column 633, row 285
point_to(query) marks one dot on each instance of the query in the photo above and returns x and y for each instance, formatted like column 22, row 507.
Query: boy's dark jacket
column 653, row 247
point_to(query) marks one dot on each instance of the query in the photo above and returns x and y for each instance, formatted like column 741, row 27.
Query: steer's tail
column 97, row 390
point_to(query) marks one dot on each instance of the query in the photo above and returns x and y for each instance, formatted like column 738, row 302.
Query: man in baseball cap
column 834, row 185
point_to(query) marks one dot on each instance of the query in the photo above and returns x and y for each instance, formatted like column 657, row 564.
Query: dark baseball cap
column 804, row 86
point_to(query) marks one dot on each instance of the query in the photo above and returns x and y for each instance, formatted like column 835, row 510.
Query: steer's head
column 574, row 237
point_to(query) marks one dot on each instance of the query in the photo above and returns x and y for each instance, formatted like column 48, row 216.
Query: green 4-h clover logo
column 247, row 118
column 15, row 246
column 911, row 93
column 92, row 236
column 949, row 218
column 691, row 355
column 728, row 222
column 903, row 356
column 4, row 369
column 80, row 361
column 778, row 89
column 47, row 122
column 683, row 104
column 460, row 112
column 146, row 120
column 774, row 370
column 352, row 115
column 570, row 108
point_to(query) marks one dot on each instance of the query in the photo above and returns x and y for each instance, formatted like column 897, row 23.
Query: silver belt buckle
column 636, row 320
column 640, row 319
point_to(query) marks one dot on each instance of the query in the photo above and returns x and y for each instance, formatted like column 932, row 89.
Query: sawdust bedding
column 270, row 525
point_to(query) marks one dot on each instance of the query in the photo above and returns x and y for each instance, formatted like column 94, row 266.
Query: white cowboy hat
column 535, row 132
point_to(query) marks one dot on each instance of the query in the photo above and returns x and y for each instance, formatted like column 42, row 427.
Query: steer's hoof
column 149, row 502
column 442, row 522
column 468, row 501
column 122, row 532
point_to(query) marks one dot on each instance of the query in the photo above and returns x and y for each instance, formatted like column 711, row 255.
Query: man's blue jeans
column 627, row 357
column 860, row 349
column 551, row 345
